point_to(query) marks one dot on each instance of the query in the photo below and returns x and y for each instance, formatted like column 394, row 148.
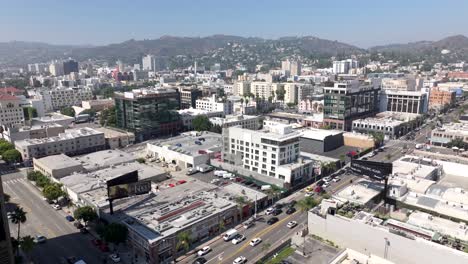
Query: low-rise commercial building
column 245, row 121
column 442, row 135
column 391, row 124
column 13, row 134
column 53, row 118
column 71, row 142
column 98, row 105
column 439, row 98
column 116, row 138
column 215, row 104
column 320, row 140
column 57, row 166
column 188, row 150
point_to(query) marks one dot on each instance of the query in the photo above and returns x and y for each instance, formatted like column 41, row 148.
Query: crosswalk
column 13, row 181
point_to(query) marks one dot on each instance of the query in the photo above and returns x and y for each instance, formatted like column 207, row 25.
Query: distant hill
column 222, row 46
column 228, row 50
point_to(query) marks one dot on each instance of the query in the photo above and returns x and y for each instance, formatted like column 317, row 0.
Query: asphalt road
column 63, row 239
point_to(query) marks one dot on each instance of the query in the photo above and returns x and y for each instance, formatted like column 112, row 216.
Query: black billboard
column 127, row 185
column 373, row 169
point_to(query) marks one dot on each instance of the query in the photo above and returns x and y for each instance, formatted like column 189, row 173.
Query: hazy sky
column 360, row 22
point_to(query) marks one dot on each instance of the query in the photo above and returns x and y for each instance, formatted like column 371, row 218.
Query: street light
column 386, row 245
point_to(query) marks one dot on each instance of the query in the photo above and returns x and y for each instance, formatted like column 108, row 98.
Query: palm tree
column 184, row 240
column 378, row 137
column 241, row 202
column 304, row 206
column 332, row 166
column 18, row 217
column 27, row 244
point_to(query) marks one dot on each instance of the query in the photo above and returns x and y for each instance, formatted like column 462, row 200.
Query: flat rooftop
column 185, row 143
column 61, row 161
column 440, row 225
column 112, row 132
column 414, row 166
column 436, row 204
column 193, row 111
column 104, row 158
column 360, row 192
column 319, row 134
column 162, row 214
column 233, row 118
column 415, row 184
column 53, row 117
column 68, row 134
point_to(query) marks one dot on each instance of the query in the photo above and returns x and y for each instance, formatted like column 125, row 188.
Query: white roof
column 318, row 134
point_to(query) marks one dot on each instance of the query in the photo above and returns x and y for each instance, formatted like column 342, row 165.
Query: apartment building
column 440, row 98
column 71, row 142
column 241, row 88
column 293, row 68
column 215, row 104
column 188, row 115
column 60, row 97
column 291, row 92
column 442, row 135
column 271, row 152
column 12, row 134
column 344, row 66
column 189, row 96
column 11, row 112
column 265, row 89
column 148, row 112
column 350, row 100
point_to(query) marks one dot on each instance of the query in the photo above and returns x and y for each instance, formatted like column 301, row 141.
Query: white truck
column 204, row 168
column 230, row 234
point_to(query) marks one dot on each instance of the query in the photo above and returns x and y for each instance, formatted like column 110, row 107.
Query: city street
column 63, row 239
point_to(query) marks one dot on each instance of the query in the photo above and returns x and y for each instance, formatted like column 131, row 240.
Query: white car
column 56, row 207
column 40, row 239
column 240, row 260
column 204, row 251
column 115, row 258
column 269, row 211
column 308, row 194
column 325, row 185
column 255, row 241
column 327, row 179
column 292, row 224
column 337, row 179
column 238, row 239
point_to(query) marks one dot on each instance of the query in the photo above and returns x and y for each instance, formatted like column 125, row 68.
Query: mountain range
column 228, row 50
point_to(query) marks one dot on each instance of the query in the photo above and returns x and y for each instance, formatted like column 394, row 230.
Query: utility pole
column 255, row 214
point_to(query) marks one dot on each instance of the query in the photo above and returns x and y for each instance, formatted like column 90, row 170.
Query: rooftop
column 360, row 192
column 185, row 143
column 61, row 161
column 233, row 118
column 437, row 224
column 104, row 158
column 318, row 134
column 414, row 166
column 68, row 134
column 53, row 117
column 415, row 184
column 146, row 92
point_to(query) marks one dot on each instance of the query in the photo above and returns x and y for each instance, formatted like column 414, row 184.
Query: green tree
column 18, row 217
column 42, row 181
column 27, row 244
column 141, row 160
column 68, row 111
column 342, row 158
column 5, row 145
column 291, row 105
column 457, row 142
column 115, row 233
column 241, row 202
column 216, row 129
column 34, row 175
column 280, row 93
column 85, row 213
column 184, row 240
column 378, row 137
column 201, row 123
column 53, row 191
column 108, row 117
column 12, row 156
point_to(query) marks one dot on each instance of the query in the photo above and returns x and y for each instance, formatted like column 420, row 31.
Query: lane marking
column 219, row 257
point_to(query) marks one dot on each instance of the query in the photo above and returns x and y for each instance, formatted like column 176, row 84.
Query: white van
column 219, row 173
column 228, row 176
column 230, row 234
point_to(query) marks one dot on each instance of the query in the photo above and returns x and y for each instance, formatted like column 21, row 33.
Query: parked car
column 78, row 225
column 272, row 220
column 69, row 218
column 290, row 210
column 337, row 179
column 255, row 241
column 203, row 251
column 10, row 215
column 269, row 211
column 115, row 257
column 292, row 203
column 248, row 224
column 56, row 207
column 239, row 238
column 308, row 194
column 240, row 260
column 39, row 239
column 191, row 171
column 200, row 261
column 292, row 224
column 277, row 212
column 326, row 185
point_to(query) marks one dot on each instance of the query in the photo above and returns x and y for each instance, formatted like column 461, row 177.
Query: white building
column 272, row 152
column 11, row 112
column 395, row 100
column 12, row 134
column 58, row 98
column 71, row 142
column 344, row 66
column 56, row 68
column 292, row 68
column 291, row 92
column 214, row 104
column 241, row 88
column 245, row 121
column 148, row 63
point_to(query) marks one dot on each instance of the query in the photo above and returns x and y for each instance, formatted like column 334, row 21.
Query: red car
column 104, row 248
column 96, row 242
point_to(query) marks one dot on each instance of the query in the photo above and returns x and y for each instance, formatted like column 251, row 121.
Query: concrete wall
column 358, row 141
column 371, row 240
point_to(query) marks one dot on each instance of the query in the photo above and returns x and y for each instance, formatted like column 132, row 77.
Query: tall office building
column 6, row 251
column 148, row 63
column 348, row 101
column 148, row 112
column 70, row 66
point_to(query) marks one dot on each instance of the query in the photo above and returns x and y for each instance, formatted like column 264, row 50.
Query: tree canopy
column 68, row 111
column 53, row 191
column 11, row 156
column 115, row 233
column 201, row 123
column 85, row 213
column 5, row 145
